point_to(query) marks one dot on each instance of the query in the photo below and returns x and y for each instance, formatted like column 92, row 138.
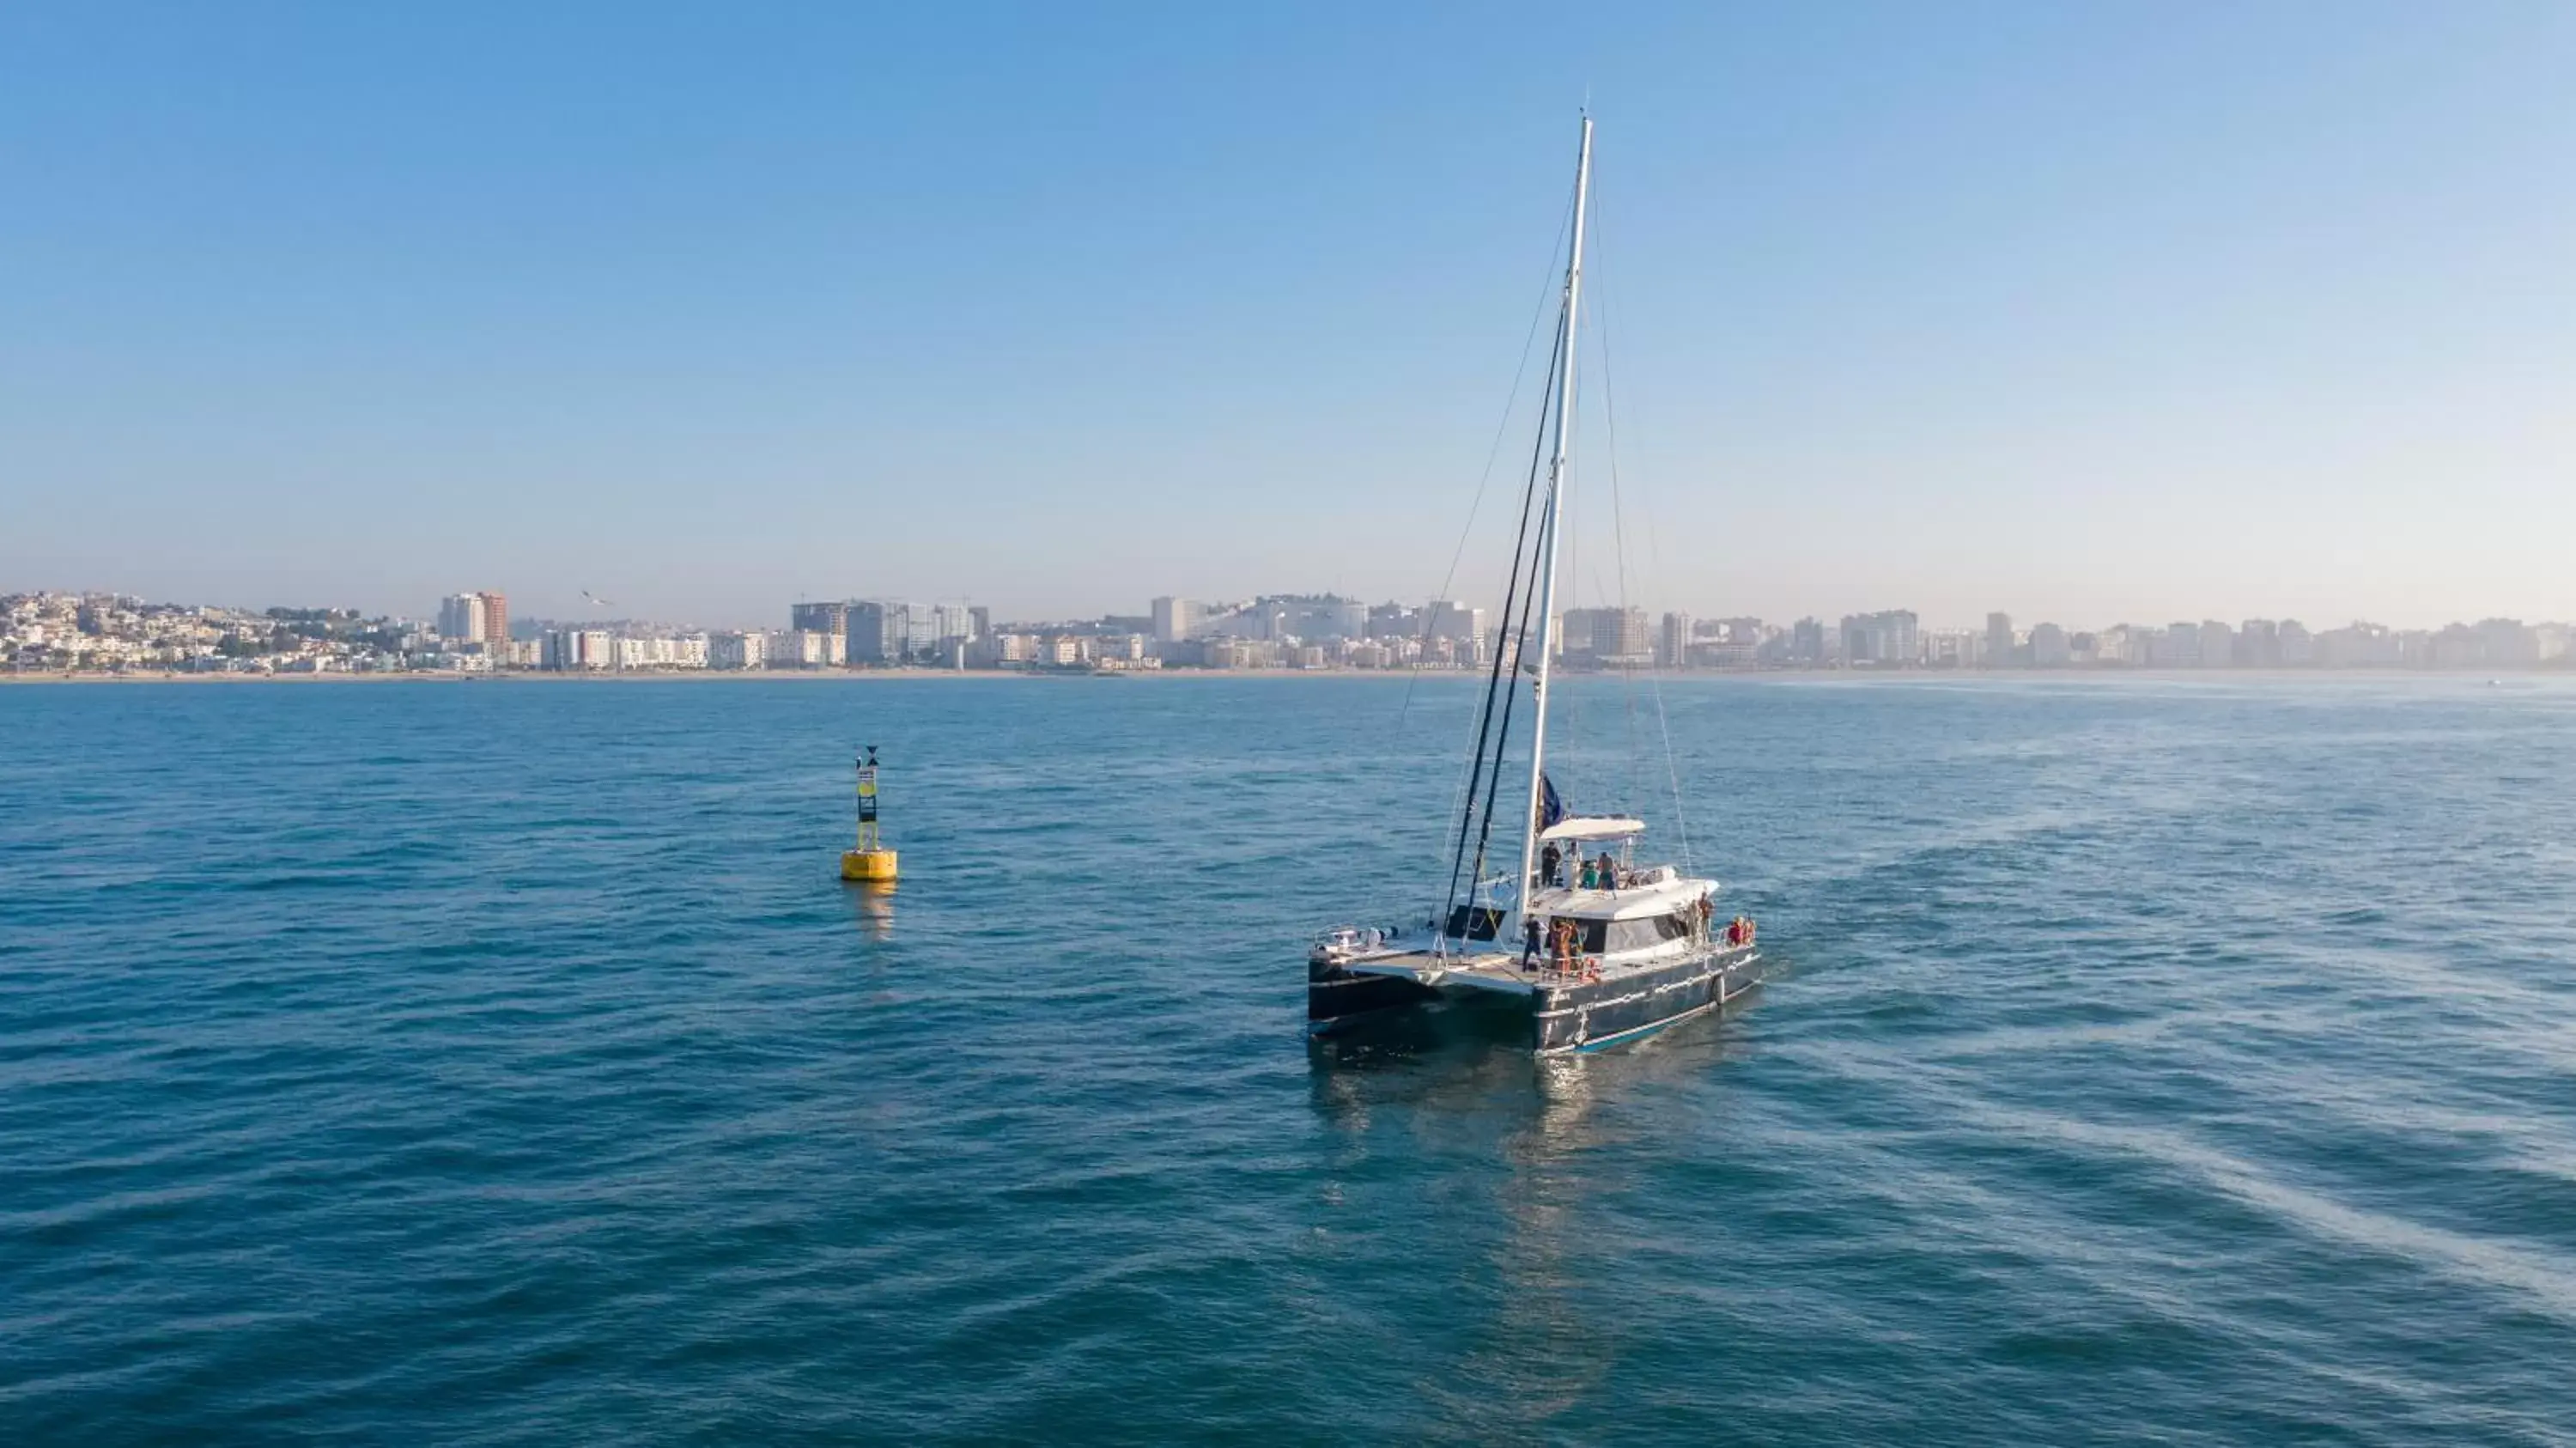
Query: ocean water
column 501, row 1063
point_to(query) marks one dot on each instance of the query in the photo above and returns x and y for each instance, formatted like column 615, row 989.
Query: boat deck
column 1491, row 970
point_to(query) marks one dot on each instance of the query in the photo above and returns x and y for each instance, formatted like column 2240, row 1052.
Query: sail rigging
column 1556, row 509
column 1531, row 590
column 1608, row 949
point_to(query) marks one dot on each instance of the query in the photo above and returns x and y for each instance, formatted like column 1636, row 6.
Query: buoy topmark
column 871, row 862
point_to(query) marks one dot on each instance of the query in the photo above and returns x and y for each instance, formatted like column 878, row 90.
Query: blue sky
column 2093, row 312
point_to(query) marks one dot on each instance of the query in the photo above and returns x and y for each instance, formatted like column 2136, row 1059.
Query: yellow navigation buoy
column 874, row 866
column 871, row 862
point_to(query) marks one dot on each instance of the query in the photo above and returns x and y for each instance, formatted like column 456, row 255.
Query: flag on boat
column 1550, row 808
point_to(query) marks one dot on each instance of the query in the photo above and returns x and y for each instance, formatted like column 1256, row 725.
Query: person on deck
column 1609, row 872
column 1587, row 877
column 1549, row 860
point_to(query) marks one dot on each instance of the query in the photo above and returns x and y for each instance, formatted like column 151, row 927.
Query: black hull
column 1335, row 996
column 1563, row 1014
column 1588, row 1015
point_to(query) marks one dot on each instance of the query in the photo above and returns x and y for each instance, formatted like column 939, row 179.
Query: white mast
column 1555, row 514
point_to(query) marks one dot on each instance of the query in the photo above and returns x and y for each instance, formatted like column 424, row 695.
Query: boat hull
column 1335, row 997
column 1563, row 1013
column 1589, row 1015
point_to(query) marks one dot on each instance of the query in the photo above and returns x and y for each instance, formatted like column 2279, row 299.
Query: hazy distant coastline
column 542, row 679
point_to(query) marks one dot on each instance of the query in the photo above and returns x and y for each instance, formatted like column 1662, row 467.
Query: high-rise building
column 2364, row 645
column 2258, row 644
column 1574, row 632
column 2049, row 648
column 871, row 640
column 2181, row 647
column 2217, row 644
column 1675, row 653
column 920, row 629
column 474, row 618
column 981, row 619
column 1314, row 620
column 1442, row 619
column 822, row 618
column 1952, row 648
column 1609, row 635
column 1999, row 641
column 1807, row 641
column 460, row 619
column 1632, row 634
column 804, row 648
column 2507, row 642
column 1173, row 619
column 1881, row 640
column 884, row 632
column 576, row 649
column 737, row 650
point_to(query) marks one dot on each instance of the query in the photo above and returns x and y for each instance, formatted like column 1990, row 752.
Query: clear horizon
column 2124, row 313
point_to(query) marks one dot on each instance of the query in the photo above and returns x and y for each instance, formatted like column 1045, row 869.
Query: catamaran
column 1593, row 949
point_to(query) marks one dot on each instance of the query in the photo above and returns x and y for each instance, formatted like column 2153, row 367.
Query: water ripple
column 502, row 1065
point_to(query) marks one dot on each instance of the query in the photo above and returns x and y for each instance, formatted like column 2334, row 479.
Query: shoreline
column 521, row 677
column 706, row 676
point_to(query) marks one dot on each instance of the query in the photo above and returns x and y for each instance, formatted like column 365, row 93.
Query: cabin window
column 1649, row 932
column 1633, row 935
column 1587, row 934
column 1474, row 922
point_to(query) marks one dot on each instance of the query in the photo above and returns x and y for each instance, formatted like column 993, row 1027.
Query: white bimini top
column 1593, row 827
column 1660, row 896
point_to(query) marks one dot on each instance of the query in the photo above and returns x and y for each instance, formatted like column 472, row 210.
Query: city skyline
column 475, row 632
column 2119, row 311
column 577, row 606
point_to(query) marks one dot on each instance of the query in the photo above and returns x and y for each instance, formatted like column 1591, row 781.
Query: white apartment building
column 461, row 619
column 731, row 650
column 1174, row 618
column 578, row 649
column 1953, row 648
column 810, row 649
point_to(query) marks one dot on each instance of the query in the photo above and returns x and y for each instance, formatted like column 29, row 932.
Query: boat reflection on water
column 1477, row 1066
column 1409, row 1046
column 874, row 906
column 1516, row 1163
